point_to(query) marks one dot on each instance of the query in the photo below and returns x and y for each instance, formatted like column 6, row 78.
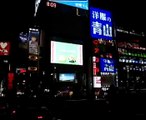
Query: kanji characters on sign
column 100, row 24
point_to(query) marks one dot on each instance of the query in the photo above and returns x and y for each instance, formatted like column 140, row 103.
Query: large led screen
column 83, row 4
column 66, row 53
column 67, row 77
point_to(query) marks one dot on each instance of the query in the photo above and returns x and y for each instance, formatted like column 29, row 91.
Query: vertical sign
column 95, row 60
column 97, row 81
column 10, row 81
column 23, row 40
column 34, row 41
column 34, row 38
column 100, row 24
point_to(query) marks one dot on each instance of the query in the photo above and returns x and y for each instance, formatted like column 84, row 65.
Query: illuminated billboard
column 83, row 4
column 23, row 40
column 107, row 65
column 66, row 53
column 100, row 24
column 67, row 77
column 33, row 41
column 4, row 48
column 97, row 81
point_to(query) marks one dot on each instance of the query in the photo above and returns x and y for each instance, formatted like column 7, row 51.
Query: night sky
column 15, row 15
column 18, row 14
column 131, row 12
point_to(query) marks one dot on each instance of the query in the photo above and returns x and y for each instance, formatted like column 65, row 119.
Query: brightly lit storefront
column 132, row 59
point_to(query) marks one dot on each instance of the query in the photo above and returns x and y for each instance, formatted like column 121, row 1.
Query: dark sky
column 18, row 14
column 15, row 14
column 130, row 11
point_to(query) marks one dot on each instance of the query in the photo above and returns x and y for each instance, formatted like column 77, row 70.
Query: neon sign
column 100, row 24
column 107, row 65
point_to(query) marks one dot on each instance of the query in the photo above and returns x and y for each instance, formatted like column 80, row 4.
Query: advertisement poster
column 34, row 41
column 66, row 53
column 4, row 48
column 23, row 40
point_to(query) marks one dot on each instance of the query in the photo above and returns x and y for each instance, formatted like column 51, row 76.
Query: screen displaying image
column 23, row 37
column 33, row 41
column 83, row 4
column 23, row 40
column 66, row 53
column 67, row 77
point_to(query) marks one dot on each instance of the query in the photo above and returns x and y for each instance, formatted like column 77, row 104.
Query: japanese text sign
column 100, row 24
column 107, row 65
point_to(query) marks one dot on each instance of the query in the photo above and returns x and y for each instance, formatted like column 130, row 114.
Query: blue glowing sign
column 83, row 4
column 100, row 24
column 107, row 65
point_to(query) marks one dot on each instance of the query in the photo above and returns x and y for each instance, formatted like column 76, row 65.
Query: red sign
column 95, row 46
column 95, row 66
column 4, row 48
column 95, row 42
column 10, row 80
column 96, row 50
column 95, row 71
